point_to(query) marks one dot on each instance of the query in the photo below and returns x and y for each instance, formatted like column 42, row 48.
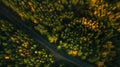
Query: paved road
column 59, row 54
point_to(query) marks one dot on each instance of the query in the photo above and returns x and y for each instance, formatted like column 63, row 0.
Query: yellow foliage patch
column 7, row 57
column 74, row 52
column 100, row 64
column 52, row 39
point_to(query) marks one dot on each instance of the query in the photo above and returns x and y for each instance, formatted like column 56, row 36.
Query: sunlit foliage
column 86, row 29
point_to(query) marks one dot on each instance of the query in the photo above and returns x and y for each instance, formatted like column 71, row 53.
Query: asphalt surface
column 4, row 11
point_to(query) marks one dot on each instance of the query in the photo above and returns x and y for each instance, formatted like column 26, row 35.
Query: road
column 19, row 23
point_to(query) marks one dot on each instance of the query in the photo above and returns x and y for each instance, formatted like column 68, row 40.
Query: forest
column 59, row 33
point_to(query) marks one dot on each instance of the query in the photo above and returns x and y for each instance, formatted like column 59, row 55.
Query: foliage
column 87, row 29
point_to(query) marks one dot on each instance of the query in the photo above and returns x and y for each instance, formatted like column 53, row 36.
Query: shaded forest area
column 87, row 30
